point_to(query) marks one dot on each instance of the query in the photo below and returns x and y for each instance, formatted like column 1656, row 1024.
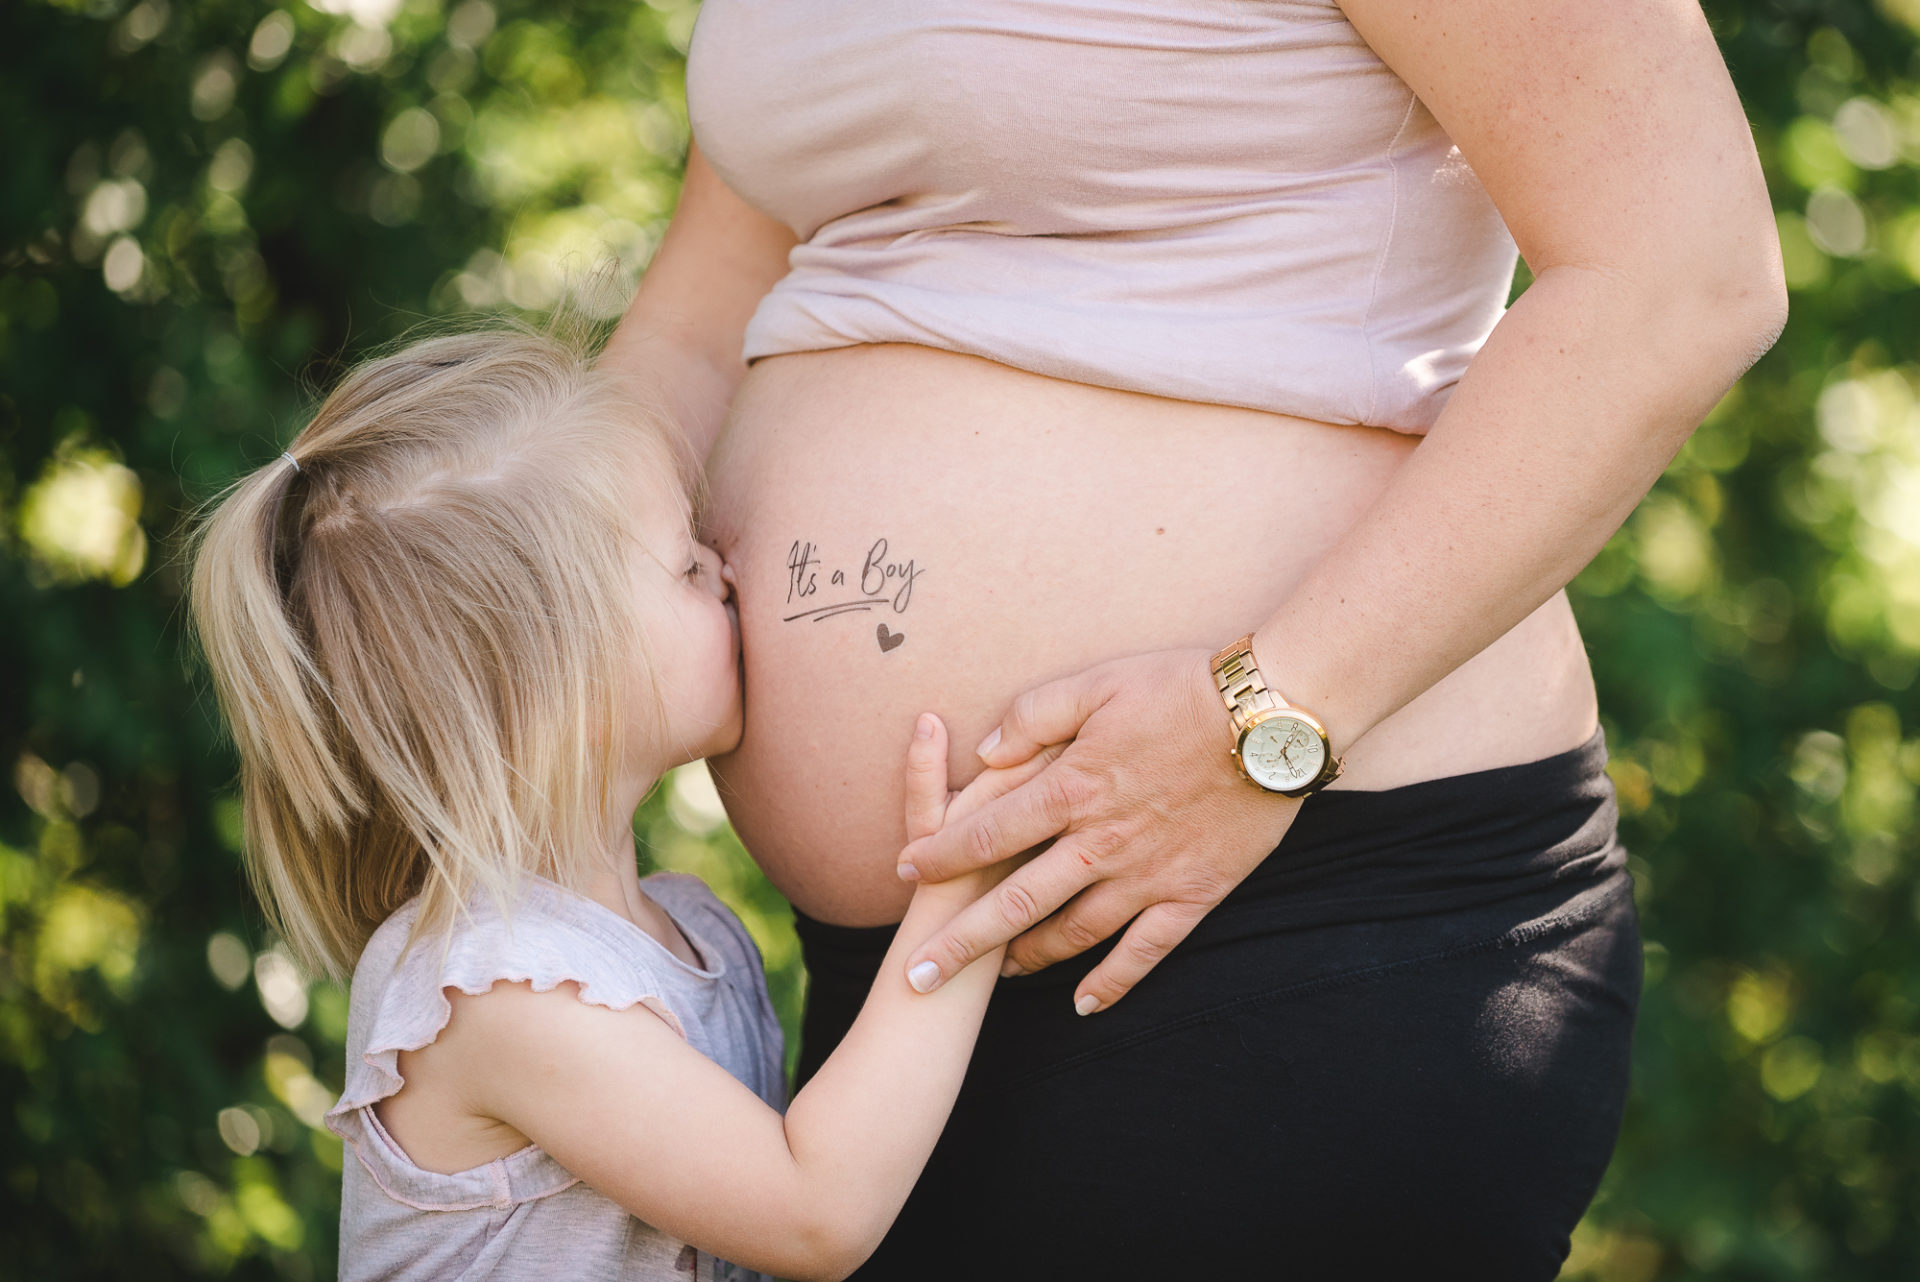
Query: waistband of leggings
column 1435, row 846
column 1535, row 804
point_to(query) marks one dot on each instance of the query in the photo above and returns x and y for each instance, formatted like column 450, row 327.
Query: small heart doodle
column 888, row 640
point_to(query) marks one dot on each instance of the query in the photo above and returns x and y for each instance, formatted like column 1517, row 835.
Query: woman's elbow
column 1735, row 295
column 1750, row 298
column 1701, row 321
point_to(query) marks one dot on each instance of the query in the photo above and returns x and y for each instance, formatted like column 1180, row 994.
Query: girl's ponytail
column 299, row 798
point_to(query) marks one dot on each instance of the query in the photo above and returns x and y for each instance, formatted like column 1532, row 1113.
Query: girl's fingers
column 1052, row 713
column 926, row 777
column 1016, row 904
column 1153, row 935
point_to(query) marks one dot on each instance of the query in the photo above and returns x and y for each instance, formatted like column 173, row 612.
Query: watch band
column 1248, row 698
column 1242, row 688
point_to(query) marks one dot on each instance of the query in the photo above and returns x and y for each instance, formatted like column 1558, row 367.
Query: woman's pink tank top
column 1231, row 201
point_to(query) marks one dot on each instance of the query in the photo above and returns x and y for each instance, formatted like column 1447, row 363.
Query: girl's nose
column 730, row 588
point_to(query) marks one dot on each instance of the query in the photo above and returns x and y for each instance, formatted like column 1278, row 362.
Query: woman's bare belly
column 988, row 530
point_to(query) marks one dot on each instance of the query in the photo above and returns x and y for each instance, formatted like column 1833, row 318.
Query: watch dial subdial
column 1283, row 752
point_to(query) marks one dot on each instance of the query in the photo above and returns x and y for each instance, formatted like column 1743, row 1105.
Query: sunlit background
column 208, row 207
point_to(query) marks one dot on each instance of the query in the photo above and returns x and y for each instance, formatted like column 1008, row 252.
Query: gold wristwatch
column 1282, row 748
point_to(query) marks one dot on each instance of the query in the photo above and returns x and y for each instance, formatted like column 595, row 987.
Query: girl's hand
column 930, row 806
column 1151, row 824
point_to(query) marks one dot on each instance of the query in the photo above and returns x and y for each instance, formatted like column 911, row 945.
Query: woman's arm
column 620, row 1100
column 1612, row 142
column 682, row 334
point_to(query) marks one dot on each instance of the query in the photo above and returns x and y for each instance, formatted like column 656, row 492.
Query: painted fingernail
column 1086, row 1005
column 988, row 744
column 1010, row 968
column 923, row 728
column 925, row 977
column 908, row 872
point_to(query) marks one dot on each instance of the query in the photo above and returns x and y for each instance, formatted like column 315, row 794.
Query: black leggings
column 1400, row 1048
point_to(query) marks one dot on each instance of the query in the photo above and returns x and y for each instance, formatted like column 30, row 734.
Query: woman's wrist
column 1302, row 674
column 1212, row 722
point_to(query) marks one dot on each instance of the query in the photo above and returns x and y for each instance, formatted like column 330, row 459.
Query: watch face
column 1282, row 753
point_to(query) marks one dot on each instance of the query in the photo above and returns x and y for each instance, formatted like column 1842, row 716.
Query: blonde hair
column 419, row 627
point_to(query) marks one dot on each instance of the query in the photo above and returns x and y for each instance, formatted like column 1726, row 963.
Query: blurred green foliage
column 207, row 206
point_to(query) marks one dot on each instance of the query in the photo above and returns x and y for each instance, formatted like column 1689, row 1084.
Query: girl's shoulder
column 549, row 936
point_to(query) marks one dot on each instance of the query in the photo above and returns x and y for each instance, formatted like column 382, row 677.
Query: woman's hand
column 1149, row 820
column 931, row 806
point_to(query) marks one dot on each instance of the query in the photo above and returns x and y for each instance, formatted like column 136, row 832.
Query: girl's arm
column 622, row 1102
column 682, row 335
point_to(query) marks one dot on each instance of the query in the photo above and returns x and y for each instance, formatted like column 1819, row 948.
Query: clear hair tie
column 291, row 459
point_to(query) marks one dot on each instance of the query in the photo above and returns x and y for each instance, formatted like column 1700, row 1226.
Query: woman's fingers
column 1036, row 810
column 1153, row 935
column 1095, row 914
column 1016, row 904
column 926, row 777
column 996, row 782
column 1052, row 713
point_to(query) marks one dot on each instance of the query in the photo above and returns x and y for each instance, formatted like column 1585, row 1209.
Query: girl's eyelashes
column 693, row 570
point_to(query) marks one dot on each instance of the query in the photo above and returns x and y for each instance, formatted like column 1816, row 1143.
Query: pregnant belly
column 915, row 530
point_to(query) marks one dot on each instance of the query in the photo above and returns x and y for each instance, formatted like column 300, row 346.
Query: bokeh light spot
column 231, row 166
column 143, row 23
column 469, row 25
column 229, row 959
column 124, row 266
column 81, row 519
column 365, row 13
column 272, row 39
column 1757, row 1005
column 283, row 993
column 238, row 1131
column 214, row 86
column 114, row 207
column 1836, row 222
column 694, row 801
column 1676, row 552
column 1866, row 133
column 1791, row 1069
column 410, row 140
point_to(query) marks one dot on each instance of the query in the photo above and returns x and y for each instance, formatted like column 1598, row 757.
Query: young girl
column 459, row 629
